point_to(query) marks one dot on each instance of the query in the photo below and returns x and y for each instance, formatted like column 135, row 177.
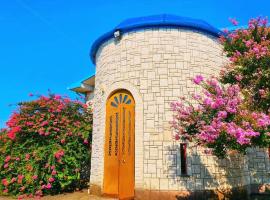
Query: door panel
column 111, row 155
column 119, row 146
column 126, row 171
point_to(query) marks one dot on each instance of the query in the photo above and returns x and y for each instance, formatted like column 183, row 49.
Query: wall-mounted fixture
column 117, row 35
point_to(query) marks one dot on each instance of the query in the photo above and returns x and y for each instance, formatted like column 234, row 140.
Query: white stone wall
column 258, row 166
column 156, row 66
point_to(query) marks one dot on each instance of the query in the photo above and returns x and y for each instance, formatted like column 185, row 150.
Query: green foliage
column 45, row 147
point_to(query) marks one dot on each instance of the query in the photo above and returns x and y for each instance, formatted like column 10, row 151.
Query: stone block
column 152, row 168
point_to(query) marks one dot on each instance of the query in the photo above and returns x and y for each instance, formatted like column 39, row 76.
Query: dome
column 163, row 20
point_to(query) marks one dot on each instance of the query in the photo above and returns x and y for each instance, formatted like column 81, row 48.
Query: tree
column 249, row 53
column 232, row 113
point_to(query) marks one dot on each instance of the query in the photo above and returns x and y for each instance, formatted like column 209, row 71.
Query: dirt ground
column 81, row 195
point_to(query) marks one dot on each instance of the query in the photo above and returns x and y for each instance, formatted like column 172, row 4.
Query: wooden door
column 119, row 146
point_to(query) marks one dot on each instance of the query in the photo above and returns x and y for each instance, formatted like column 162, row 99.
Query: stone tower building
column 141, row 67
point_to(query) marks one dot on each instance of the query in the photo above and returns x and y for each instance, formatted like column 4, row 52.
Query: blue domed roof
column 163, row 20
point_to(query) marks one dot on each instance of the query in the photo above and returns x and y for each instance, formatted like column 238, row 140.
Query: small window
column 183, row 154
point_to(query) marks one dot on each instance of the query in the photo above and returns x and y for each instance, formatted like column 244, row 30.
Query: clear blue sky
column 44, row 44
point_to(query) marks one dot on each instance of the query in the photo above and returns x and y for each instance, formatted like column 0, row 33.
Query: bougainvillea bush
column 45, row 147
column 232, row 113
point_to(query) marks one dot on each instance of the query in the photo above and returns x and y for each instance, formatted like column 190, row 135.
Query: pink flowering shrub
column 234, row 117
column 45, row 147
column 219, row 119
column 249, row 53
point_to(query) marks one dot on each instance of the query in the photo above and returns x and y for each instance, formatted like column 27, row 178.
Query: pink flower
column 27, row 156
column 59, row 154
column 5, row 190
column 54, row 172
column 238, row 77
column 41, row 132
column 85, row 141
column 219, row 102
column 263, row 121
column 225, row 31
column 7, row 159
column 66, row 100
column 13, row 180
column 52, row 167
column 43, row 187
column 207, row 101
column 248, row 43
column 256, row 49
column 29, row 123
column 6, row 165
column 242, row 136
column 218, row 114
column 17, row 159
column 264, row 21
column 177, row 137
column 233, row 21
column 35, row 177
column 212, row 82
column 47, row 133
column 198, row 79
column 5, row 182
column 11, row 135
column 197, row 97
column 222, row 114
column 44, row 123
column 57, row 97
column 51, row 179
column 254, row 115
column 20, row 176
column 48, row 186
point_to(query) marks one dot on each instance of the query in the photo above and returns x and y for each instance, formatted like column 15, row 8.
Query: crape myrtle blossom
column 198, row 79
column 234, row 117
column 218, row 119
column 249, row 52
column 234, row 21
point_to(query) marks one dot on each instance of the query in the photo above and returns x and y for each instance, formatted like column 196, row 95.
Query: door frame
column 103, row 91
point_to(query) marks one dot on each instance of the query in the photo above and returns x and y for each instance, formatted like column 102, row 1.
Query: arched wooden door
column 119, row 146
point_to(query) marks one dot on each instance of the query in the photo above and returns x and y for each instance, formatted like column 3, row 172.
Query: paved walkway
column 101, row 198
column 81, row 195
